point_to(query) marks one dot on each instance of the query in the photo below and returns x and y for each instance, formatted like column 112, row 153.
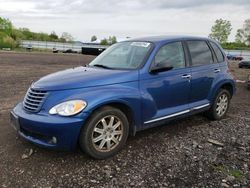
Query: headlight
column 68, row 108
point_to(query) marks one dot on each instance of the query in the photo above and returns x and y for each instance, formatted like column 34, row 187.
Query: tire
column 220, row 105
column 105, row 133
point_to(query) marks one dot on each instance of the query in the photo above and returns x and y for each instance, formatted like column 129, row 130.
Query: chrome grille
column 34, row 99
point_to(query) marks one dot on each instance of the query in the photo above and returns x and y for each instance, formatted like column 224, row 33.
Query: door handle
column 216, row 70
column 186, row 76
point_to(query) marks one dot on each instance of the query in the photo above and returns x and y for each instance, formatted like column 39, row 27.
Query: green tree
column 104, row 42
column 239, row 36
column 28, row 35
column 17, row 34
column 62, row 40
column 67, row 37
column 53, row 36
column 93, row 38
column 221, row 30
column 243, row 35
column 6, row 41
column 5, row 26
column 112, row 40
column 43, row 36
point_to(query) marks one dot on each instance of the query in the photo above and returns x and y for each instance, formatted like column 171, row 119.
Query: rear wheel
column 220, row 106
column 105, row 133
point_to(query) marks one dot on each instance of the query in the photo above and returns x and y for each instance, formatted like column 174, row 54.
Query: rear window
column 218, row 53
column 200, row 53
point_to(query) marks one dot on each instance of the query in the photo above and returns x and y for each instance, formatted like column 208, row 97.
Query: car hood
column 82, row 77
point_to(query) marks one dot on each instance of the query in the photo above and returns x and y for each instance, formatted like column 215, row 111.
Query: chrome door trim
column 177, row 114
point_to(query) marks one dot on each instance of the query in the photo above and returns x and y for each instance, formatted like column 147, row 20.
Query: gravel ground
column 192, row 152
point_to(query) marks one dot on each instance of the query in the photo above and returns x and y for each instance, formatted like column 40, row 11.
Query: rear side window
column 218, row 53
column 200, row 53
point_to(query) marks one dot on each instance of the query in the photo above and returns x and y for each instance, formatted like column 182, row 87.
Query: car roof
column 165, row 38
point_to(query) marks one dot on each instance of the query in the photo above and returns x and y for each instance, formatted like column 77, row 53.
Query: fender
column 124, row 93
column 217, row 85
column 119, row 94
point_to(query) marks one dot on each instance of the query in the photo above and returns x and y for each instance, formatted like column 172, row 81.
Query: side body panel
column 224, row 77
column 203, row 78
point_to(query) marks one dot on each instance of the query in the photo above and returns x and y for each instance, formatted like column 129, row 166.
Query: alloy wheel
column 107, row 133
column 222, row 105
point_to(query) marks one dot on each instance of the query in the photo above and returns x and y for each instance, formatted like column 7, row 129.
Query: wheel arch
column 124, row 107
column 228, row 85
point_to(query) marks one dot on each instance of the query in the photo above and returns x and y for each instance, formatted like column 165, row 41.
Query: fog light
column 53, row 140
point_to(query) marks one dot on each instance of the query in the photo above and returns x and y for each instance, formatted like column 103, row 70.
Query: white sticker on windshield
column 140, row 44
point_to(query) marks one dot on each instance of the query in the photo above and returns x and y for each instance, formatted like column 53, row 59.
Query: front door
column 166, row 94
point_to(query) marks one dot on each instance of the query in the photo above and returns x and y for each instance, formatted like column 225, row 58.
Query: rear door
column 204, row 69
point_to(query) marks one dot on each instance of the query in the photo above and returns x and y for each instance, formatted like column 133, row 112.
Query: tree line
column 106, row 41
column 11, row 36
column 221, row 30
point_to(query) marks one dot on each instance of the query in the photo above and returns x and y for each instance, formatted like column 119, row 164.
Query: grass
column 229, row 172
column 236, row 173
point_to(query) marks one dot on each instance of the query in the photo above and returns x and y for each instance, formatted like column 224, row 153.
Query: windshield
column 124, row 55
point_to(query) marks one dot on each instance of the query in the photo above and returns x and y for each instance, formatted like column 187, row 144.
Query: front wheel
column 105, row 133
column 220, row 106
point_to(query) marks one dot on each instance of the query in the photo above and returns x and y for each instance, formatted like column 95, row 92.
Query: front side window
column 200, row 53
column 124, row 55
column 170, row 55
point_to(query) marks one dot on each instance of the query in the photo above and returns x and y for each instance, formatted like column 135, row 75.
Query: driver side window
column 170, row 55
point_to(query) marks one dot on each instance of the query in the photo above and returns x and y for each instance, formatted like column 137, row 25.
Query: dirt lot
column 176, row 155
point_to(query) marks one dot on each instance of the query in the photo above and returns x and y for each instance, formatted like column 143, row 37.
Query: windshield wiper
column 102, row 66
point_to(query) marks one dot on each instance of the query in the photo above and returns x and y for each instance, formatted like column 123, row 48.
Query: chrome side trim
column 177, row 114
column 202, row 106
column 168, row 116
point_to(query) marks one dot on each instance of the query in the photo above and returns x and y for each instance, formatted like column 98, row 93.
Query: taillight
column 229, row 71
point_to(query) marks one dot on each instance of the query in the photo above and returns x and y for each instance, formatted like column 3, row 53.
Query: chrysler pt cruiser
column 131, row 86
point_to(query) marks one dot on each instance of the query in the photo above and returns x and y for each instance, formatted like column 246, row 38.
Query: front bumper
column 50, row 131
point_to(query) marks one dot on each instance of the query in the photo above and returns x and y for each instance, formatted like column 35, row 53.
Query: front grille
column 34, row 99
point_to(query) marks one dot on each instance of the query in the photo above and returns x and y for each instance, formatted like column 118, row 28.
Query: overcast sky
column 122, row 18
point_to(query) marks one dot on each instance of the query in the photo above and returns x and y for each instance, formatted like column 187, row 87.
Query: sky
column 124, row 18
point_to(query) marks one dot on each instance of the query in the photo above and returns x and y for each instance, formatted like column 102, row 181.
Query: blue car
column 131, row 86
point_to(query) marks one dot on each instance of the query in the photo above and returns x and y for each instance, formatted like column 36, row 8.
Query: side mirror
column 157, row 69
